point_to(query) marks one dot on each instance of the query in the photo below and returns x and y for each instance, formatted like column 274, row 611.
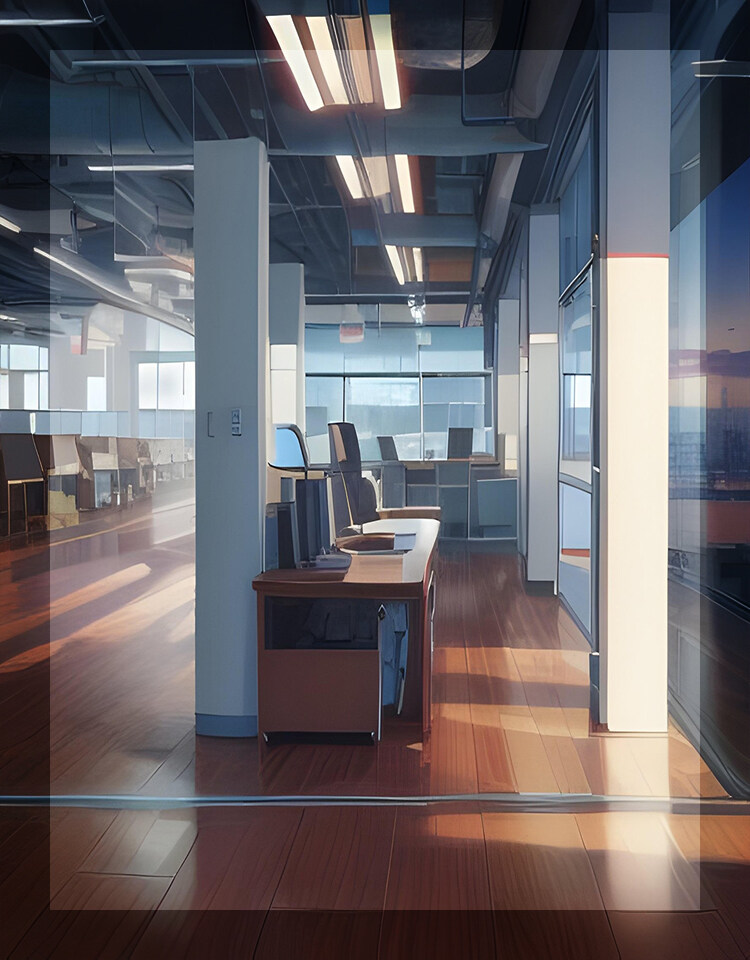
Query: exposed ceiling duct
column 415, row 230
column 426, row 126
column 92, row 119
column 430, row 35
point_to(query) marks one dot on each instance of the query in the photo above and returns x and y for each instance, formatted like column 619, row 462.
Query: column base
column 218, row 725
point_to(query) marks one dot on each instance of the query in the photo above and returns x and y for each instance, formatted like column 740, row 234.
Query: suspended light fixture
column 329, row 64
column 9, row 225
column 385, row 55
column 348, row 170
column 21, row 20
column 418, row 264
column 139, row 167
column 403, row 175
column 294, row 53
column 394, row 257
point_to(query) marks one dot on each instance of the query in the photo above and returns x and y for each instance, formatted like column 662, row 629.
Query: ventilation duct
column 43, row 117
column 428, row 126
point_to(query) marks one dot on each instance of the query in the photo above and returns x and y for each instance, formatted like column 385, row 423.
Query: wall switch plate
column 236, row 422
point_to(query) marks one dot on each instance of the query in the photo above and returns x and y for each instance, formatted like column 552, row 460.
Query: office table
column 337, row 688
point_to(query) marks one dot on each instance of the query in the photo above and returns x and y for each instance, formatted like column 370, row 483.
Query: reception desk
column 335, row 687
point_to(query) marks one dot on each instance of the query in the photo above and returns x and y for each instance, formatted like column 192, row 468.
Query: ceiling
column 97, row 121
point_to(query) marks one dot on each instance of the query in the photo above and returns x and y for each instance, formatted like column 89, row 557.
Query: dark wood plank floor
column 439, row 880
column 96, row 696
column 97, row 681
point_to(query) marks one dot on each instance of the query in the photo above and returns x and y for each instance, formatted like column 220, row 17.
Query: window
column 169, row 385
column 406, row 382
column 575, row 552
column 24, row 381
column 576, row 383
column 576, row 226
column 384, row 406
column 96, row 393
column 324, row 404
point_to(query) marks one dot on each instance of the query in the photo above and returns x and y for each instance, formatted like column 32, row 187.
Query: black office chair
column 388, row 452
column 354, row 498
column 460, row 443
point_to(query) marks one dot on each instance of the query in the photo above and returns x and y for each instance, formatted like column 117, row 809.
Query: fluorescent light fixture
column 542, row 338
column 9, row 225
column 721, row 68
column 395, row 262
column 376, row 169
column 329, row 64
column 138, row 167
column 404, row 182
column 386, row 59
column 358, row 56
column 158, row 272
column 351, row 178
column 294, row 54
column 22, row 21
column 418, row 264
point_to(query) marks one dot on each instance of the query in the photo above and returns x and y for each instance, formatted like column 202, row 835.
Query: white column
column 286, row 328
column 634, row 368
column 543, row 399
column 231, row 306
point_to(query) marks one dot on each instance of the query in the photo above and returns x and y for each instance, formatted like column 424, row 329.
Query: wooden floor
column 97, row 681
column 456, row 880
column 96, row 697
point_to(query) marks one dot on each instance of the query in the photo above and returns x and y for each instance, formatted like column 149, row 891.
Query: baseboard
column 217, row 725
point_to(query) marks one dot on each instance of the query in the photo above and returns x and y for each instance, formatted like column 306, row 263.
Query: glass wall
column 576, row 395
column 709, row 400
column 409, row 383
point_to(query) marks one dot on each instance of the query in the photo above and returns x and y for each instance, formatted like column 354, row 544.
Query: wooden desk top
column 400, row 577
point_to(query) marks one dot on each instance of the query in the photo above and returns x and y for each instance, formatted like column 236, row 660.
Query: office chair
column 388, row 452
column 354, row 497
column 460, row 443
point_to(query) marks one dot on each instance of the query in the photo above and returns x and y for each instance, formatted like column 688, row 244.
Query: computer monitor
column 460, row 442
column 316, row 531
column 290, row 451
column 388, row 450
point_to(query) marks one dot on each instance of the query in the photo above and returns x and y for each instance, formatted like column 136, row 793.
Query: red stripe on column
column 640, row 256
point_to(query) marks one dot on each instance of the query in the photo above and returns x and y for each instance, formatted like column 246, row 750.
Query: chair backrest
column 350, row 487
column 460, row 443
column 388, row 452
column 344, row 446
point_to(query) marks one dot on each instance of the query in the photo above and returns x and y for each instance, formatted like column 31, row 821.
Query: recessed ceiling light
column 294, row 54
column 386, row 58
column 395, row 259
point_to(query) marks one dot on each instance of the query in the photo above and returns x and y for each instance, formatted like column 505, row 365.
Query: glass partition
column 576, row 432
